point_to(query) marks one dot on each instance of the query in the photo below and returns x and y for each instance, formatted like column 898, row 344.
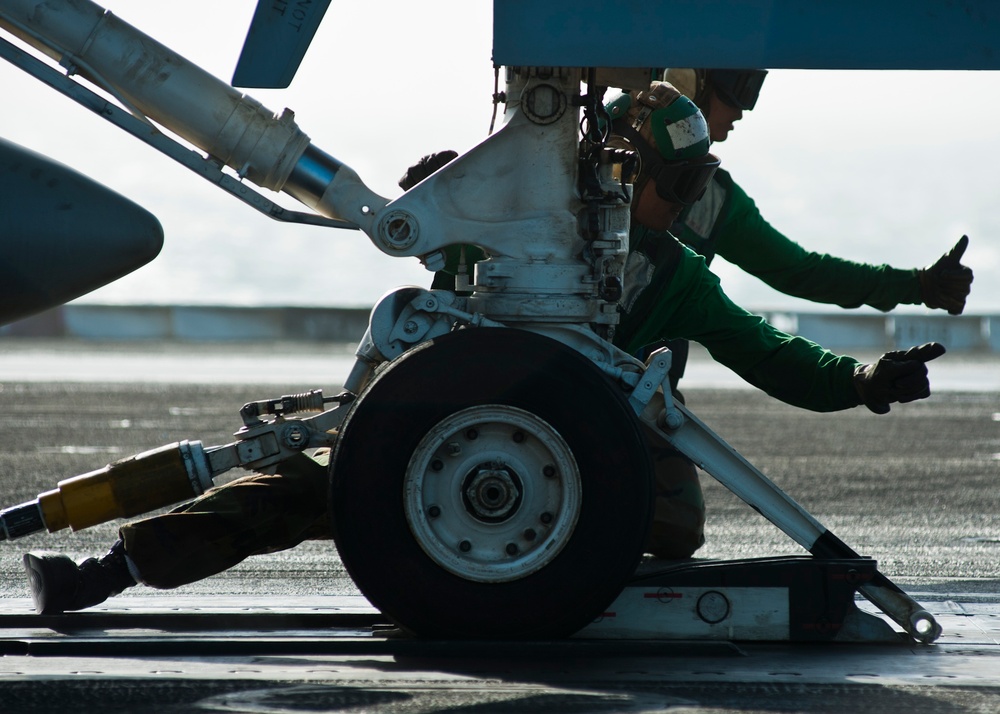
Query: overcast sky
column 874, row 166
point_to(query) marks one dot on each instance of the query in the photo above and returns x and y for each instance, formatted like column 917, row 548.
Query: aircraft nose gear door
column 491, row 483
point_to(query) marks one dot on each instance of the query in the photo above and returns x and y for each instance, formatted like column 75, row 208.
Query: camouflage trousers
column 251, row 515
column 678, row 527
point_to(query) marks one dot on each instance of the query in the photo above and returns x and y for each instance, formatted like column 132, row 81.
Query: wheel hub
column 492, row 493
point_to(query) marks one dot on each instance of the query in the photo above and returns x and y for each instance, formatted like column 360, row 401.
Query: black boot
column 58, row 584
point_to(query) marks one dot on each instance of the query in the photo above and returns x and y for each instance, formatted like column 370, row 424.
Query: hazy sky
column 874, row 166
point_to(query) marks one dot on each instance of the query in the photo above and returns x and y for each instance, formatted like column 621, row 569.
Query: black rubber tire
column 469, row 368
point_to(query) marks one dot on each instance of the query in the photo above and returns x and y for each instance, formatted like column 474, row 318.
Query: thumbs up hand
column 947, row 283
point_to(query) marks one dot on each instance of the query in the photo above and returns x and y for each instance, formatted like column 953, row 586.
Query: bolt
column 295, row 437
column 672, row 419
column 454, row 448
column 434, row 511
column 410, row 327
column 399, row 230
column 549, row 471
column 465, row 546
column 437, row 464
column 518, row 437
column 546, row 518
column 529, row 534
column 511, row 549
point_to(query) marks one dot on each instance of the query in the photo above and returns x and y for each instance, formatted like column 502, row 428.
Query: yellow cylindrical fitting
column 125, row 488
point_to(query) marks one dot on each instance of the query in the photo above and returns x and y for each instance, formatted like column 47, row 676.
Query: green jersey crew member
column 726, row 222
column 670, row 294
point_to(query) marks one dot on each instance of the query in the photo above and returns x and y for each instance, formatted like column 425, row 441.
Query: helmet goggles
column 739, row 88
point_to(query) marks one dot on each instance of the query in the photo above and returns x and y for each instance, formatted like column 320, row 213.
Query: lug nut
column 434, row 511
column 511, row 549
column 465, row 546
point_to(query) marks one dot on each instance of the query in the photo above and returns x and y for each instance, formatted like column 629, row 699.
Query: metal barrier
column 835, row 330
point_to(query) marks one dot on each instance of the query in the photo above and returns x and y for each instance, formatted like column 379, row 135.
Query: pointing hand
column 896, row 377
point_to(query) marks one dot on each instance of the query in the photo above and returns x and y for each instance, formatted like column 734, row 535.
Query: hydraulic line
column 155, row 83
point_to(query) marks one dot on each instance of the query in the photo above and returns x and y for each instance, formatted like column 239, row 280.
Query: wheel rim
column 492, row 493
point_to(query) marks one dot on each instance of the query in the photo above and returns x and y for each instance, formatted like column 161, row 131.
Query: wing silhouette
column 63, row 234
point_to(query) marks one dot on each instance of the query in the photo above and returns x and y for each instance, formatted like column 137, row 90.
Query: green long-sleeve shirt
column 726, row 222
column 671, row 293
column 679, row 297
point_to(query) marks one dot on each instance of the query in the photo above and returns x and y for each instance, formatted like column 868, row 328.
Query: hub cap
column 492, row 493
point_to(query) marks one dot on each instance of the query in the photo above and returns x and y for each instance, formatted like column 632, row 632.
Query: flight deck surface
column 336, row 653
column 289, row 632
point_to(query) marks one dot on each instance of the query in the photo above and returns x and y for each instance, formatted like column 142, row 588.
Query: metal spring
column 303, row 402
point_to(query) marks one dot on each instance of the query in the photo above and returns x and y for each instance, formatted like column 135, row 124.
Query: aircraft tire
column 491, row 484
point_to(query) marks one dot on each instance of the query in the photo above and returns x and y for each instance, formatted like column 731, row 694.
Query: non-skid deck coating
column 247, row 631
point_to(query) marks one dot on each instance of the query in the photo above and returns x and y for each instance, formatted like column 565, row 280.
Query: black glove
column 947, row 283
column 424, row 168
column 896, row 377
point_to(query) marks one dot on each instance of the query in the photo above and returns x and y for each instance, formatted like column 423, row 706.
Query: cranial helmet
column 739, row 88
column 671, row 138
